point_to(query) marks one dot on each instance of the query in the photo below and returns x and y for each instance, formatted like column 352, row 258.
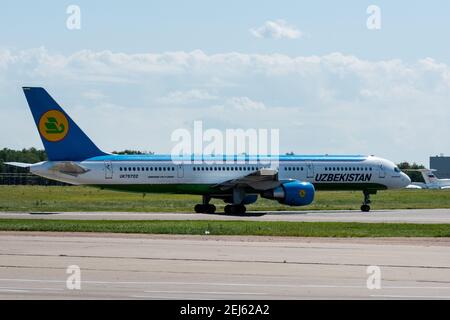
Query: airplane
column 431, row 181
column 237, row 180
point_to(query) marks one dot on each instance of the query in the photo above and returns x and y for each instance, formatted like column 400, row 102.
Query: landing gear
column 235, row 209
column 365, row 206
column 205, row 207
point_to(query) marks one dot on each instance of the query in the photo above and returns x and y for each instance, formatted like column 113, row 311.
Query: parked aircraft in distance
column 237, row 180
column 431, row 181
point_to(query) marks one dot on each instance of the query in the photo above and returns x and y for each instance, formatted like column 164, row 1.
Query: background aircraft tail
column 63, row 140
column 428, row 176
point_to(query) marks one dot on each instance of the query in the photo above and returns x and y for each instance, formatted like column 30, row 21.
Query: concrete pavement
column 120, row 266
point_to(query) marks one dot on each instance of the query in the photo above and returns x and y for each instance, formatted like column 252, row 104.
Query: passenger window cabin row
column 146, row 168
column 332, row 168
column 238, row 168
column 226, row 168
column 293, row 168
column 203, row 168
column 348, row 168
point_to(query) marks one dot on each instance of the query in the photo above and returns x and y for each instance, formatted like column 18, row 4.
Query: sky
column 136, row 71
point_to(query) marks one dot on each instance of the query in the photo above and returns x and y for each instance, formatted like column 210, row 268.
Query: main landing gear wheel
column 205, row 208
column 235, row 209
column 365, row 206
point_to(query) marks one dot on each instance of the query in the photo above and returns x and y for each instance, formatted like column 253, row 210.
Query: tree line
column 10, row 175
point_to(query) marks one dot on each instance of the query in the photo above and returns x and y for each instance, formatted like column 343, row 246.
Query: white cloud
column 276, row 29
column 93, row 95
column 332, row 103
column 245, row 103
column 184, row 97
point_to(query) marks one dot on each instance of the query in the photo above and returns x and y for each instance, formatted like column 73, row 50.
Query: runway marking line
column 160, row 297
column 14, row 290
column 206, row 292
column 226, row 260
column 408, row 297
column 218, row 284
column 47, row 289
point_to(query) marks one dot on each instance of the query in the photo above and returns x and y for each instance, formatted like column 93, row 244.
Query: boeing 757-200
column 237, row 180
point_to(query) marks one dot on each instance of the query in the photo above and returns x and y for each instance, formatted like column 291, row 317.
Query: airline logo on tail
column 53, row 126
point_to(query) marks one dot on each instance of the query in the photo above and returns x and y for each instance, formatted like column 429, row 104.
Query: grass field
column 245, row 228
column 48, row 199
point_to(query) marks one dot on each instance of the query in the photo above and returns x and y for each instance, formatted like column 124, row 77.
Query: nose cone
column 405, row 180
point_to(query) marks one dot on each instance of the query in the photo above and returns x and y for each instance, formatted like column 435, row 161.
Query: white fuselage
column 326, row 173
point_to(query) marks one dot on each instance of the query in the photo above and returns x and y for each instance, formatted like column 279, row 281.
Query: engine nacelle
column 293, row 193
column 249, row 199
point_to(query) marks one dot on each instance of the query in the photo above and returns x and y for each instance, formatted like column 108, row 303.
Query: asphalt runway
column 402, row 216
column 118, row 266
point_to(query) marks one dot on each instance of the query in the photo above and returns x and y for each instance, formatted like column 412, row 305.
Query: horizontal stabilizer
column 19, row 164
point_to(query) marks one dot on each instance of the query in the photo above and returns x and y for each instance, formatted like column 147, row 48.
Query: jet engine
column 292, row 193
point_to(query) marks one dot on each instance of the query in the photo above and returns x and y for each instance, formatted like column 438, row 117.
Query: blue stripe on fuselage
column 150, row 157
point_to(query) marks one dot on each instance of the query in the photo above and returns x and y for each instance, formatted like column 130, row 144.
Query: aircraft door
column 108, row 170
column 180, row 171
column 309, row 170
column 382, row 171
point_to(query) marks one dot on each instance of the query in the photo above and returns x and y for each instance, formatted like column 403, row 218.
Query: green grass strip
column 80, row 198
column 257, row 228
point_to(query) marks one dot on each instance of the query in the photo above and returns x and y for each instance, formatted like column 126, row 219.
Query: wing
column 413, row 186
column 263, row 179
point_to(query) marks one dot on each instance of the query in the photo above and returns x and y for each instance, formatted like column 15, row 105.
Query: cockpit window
column 396, row 169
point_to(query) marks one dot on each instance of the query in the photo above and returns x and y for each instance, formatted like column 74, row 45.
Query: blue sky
column 410, row 29
column 155, row 66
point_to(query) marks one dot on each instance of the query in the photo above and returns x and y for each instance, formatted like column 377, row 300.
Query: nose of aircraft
column 405, row 180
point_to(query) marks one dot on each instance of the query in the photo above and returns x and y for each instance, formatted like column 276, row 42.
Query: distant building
column 442, row 164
